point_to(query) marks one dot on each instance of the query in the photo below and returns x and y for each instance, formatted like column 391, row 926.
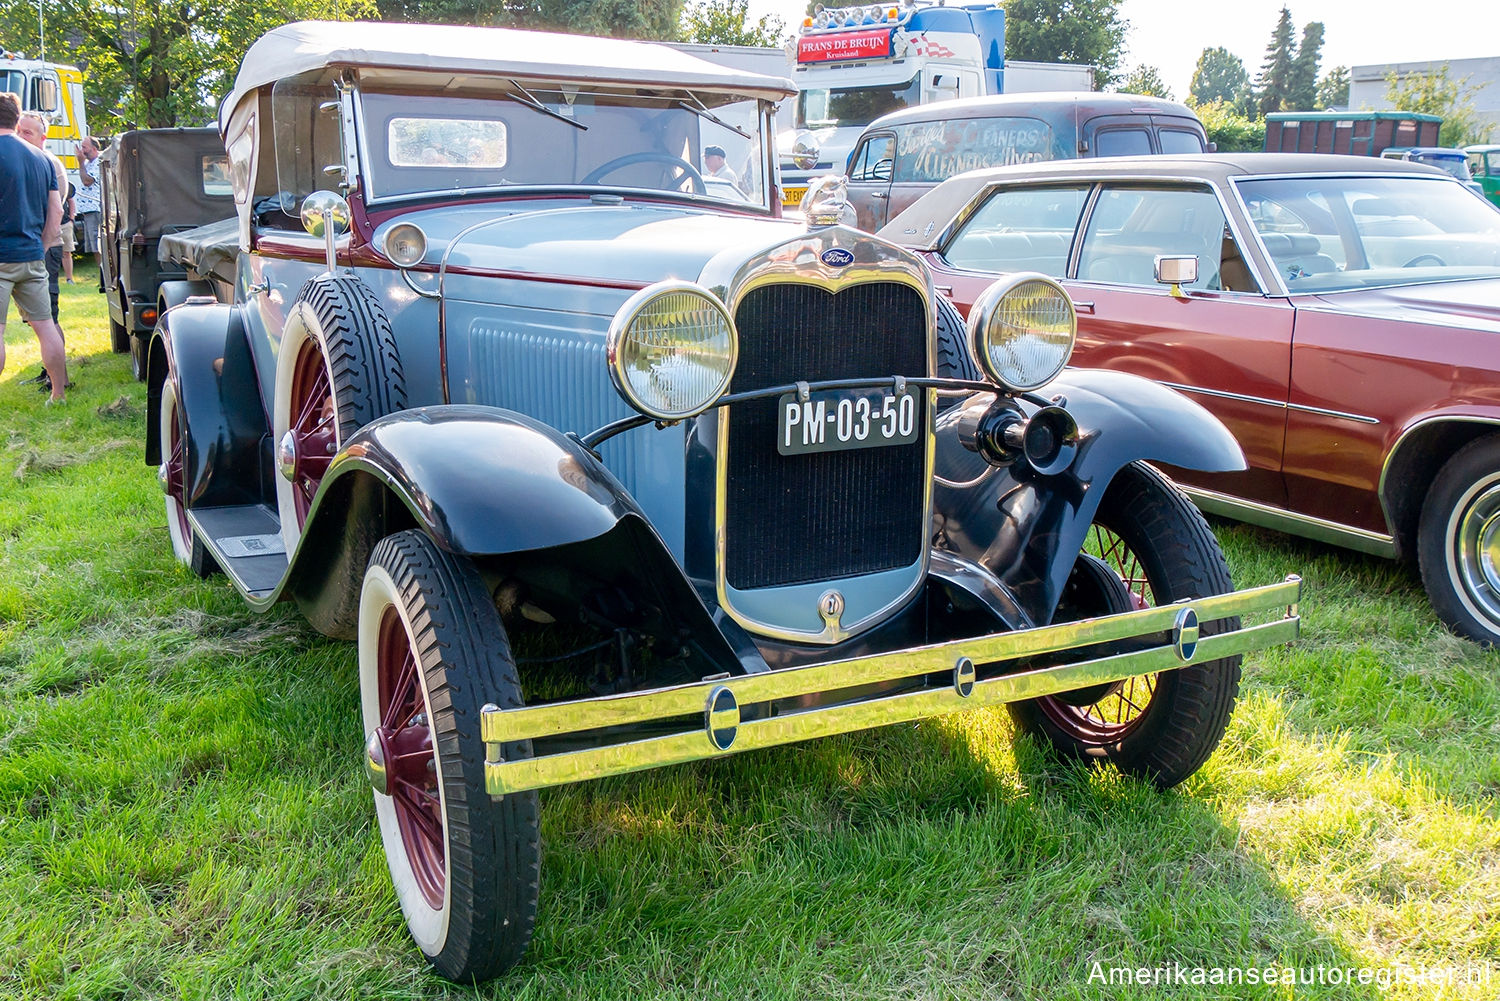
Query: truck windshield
column 13, row 81
column 1457, row 165
column 854, row 107
column 692, row 145
column 1331, row 234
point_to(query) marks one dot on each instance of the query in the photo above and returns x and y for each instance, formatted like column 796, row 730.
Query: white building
column 1367, row 86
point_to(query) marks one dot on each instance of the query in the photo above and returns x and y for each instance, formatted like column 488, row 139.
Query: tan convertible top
column 304, row 46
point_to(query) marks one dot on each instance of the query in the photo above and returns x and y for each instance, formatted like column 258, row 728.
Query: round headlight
column 672, row 349
column 405, row 244
column 1021, row 330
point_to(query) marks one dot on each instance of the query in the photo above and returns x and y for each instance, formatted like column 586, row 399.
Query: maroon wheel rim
column 1122, row 708
column 312, row 426
column 411, row 765
column 176, row 459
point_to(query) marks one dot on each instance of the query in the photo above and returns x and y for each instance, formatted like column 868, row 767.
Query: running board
column 246, row 542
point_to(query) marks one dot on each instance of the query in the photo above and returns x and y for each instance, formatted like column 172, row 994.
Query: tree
column 1219, row 76
column 1435, row 94
column 1333, row 89
column 722, row 22
column 1146, row 80
column 1274, row 82
column 1302, row 95
column 1230, row 130
column 1067, row 31
column 161, row 64
column 657, row 19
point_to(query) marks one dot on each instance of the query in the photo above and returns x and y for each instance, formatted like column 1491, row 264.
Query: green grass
column 182, row 812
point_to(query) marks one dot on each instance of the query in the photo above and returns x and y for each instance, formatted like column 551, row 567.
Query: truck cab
column 56, row 90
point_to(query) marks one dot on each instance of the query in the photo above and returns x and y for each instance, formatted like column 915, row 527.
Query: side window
column 1020, row 229
column 1122, row 142
column 1492, row 164
column 1179, row 141
column 874, row 159
column 1133, row 225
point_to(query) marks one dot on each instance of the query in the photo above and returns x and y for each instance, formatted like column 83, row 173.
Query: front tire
column 337, row 370
column 432, row 652
column 1159, row 727
column 1458, row 542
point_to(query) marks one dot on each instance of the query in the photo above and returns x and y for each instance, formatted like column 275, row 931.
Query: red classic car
column 1339, row 314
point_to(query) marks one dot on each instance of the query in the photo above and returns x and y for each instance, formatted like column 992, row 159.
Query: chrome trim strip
column 1264, row 401
column 800, row 261
column 498, row 726
column 1282, row 520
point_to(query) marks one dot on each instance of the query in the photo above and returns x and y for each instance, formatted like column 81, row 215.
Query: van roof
column 1089, row 104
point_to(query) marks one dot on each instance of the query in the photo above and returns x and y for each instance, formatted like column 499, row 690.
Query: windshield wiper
column 530, row 101
column 701, row 110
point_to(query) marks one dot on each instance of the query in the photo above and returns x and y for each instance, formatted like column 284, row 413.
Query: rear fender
column 1026, row 528
column 204, row 351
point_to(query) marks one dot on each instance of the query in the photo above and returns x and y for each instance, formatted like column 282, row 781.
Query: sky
column 1170, row 34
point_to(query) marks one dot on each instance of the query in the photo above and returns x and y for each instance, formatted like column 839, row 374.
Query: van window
column 1020, row 229
column 1122, row 142
column 873, row 162
column 935, row 151
column 1178, row 141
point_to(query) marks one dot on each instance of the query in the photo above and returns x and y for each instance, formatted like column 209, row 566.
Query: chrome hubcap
column 1477, row 549
column 286, row 455
column 375, row 759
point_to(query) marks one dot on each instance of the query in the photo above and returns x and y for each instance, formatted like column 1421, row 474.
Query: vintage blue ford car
column 607, row 467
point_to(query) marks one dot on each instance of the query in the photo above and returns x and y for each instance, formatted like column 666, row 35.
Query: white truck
column 853, row 64
column 56, row 90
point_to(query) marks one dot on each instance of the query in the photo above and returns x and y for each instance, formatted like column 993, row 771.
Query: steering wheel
column 1422, row 259
column 630, row 159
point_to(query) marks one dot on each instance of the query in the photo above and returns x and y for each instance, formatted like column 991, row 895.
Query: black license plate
column 837, row 419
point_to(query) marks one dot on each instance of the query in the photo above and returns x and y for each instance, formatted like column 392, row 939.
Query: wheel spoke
column 398, row 709
column 312, row 403
column 418, row 811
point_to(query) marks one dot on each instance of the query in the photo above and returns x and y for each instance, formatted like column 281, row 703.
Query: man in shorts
column 30, row 214
column 33, row 128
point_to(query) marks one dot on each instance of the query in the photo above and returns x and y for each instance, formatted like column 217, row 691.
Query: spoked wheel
column 432, row 652
column 172, row 431
column 337, row 370
column 1148, row 546
column 1458, row 541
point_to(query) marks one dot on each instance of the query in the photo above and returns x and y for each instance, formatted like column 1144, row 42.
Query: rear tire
column 1159, row 727
column 1458, row 542
column 173, row 441
column 119, row 337
column 432, row 652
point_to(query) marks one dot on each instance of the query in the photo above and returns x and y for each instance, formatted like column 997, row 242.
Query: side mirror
column 47, row 97
column 805, row 151
column 326, row 214
column 1177, row 272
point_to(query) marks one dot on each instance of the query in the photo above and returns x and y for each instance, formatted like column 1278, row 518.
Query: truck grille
column 792, row 519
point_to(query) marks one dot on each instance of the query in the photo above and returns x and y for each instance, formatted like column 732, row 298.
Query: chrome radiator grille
column 792, row 519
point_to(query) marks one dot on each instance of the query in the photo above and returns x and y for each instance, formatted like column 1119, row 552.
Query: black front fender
column 1028, row 528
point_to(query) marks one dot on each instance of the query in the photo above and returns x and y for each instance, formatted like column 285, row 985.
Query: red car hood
column 1474, row 304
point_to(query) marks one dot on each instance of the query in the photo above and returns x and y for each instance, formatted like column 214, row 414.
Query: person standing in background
column 33, row 128
column 88, row 199
column 30, row 215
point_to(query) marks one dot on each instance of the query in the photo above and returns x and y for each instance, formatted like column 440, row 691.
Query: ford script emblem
column 837, row 257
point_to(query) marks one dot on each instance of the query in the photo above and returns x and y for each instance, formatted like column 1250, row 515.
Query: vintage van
column 905, row 154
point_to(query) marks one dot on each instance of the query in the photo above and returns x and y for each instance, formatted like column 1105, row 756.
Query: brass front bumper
column 716, row 703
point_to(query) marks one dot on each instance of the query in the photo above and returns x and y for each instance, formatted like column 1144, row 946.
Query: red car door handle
column 1084, row 307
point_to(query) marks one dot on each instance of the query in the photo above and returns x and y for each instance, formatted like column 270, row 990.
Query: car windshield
column 821, row 108
column 1328, row 234
column 689, row 145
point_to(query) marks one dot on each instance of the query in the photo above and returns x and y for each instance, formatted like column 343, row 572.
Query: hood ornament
column 827, row 203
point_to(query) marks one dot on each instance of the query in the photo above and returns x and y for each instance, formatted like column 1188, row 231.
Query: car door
column 870, row 179
column 1220, row 340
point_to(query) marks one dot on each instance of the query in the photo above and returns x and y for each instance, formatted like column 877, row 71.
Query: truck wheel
column 172, row 429
column 337, row 370
column 1160, row 727
column 432, row 652
column 119, row 338
column 139, row 348
column 1458, row 541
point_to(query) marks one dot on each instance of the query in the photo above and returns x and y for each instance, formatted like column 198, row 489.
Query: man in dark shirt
column 30, row 214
